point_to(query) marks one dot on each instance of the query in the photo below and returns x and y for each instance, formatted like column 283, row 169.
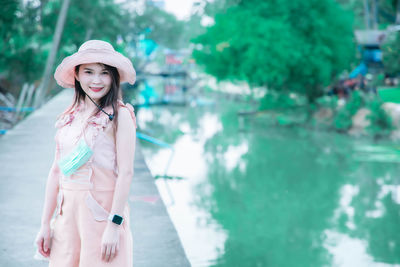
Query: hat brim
column 64, row 73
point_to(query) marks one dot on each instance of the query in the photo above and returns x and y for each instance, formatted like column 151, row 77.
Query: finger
column 46, row 244
column 103, row 252
column 116, row 250
column 47, row 254
column 108, row 253
column 112, row 252
column 40, row 246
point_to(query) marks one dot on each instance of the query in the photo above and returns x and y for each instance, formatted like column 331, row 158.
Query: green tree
column 162, row 27
column 391, row 54
column 364, row 15
column 7, row 22
column 281, row 44
column 27, row 28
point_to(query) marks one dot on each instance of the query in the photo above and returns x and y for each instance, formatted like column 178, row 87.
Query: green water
column 254, row 194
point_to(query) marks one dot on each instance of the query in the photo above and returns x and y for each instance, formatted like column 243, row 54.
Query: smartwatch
column 115, row 219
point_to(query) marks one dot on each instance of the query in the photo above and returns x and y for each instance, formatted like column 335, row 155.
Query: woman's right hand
column 43, row 240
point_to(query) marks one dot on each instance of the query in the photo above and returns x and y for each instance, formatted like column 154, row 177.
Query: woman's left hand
column 110, row 241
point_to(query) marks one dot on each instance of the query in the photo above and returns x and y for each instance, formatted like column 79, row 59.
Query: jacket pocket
column 99, row 213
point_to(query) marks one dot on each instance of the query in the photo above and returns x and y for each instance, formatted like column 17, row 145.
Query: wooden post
column 21, row 100
column 374, row 11
column 42, row 89
column 366, row 15
column 28, row 102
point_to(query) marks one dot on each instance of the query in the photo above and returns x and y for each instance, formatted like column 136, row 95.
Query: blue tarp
column 361, row 69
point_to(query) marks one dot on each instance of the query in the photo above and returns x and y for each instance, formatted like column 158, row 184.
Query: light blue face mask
column 74, row 160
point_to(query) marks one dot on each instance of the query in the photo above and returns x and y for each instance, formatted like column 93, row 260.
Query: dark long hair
column 110, row 99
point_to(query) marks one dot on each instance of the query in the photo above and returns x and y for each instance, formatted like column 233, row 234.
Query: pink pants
column 79, row 228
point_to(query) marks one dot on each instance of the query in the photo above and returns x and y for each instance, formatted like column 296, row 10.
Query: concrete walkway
column 26, row 155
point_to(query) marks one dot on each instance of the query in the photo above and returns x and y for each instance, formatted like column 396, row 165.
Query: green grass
column 389, row 94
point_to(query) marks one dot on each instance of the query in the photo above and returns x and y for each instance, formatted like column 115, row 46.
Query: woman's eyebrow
column 92, row 69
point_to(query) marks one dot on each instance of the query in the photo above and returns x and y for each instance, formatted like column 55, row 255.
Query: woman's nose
column 96, row 78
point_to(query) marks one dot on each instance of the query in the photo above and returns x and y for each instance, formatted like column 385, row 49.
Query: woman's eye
column 105, row 72
column 89, row 72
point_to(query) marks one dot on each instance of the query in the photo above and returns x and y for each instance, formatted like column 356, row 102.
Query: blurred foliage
column 283, row 45
column 164, row 28
column 29, row 26
column 357, row 8
column 391, row 54
column 343, row 118
column 280, row 100
column 159, row 25
column 381, row 122
column 27, row 29
column 327, row 101
column 20, row 57
column 386, row 14
column 293, row 110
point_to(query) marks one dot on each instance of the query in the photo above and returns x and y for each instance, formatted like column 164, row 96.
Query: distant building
column 370, row 37
column 369, row 43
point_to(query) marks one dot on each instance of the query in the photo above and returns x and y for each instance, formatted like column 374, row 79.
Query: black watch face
column 117, row 219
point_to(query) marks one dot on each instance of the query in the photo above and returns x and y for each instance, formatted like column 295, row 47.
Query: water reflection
column 279, row 206
column 187, row 129
column 270, row 196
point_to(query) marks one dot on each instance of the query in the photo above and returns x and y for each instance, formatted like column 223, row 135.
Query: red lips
column 96, row 89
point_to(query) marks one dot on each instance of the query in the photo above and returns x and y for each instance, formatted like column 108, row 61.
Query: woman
column 88, row 184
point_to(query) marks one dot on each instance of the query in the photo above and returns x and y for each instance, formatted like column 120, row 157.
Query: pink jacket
column 100, row 172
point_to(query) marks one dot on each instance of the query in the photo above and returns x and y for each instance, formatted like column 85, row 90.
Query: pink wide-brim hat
column 94, row 51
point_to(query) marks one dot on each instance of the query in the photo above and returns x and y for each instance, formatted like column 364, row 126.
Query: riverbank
column 26, row 155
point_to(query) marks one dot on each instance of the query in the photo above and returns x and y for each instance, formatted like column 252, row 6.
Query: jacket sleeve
column 131, row 111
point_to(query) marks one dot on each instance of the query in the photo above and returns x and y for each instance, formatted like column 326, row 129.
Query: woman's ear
column 76, row 76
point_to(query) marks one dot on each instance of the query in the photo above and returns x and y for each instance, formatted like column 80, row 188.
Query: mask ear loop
column 110, row 116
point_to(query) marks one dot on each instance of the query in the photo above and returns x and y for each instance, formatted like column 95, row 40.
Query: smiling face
column 95, row 80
